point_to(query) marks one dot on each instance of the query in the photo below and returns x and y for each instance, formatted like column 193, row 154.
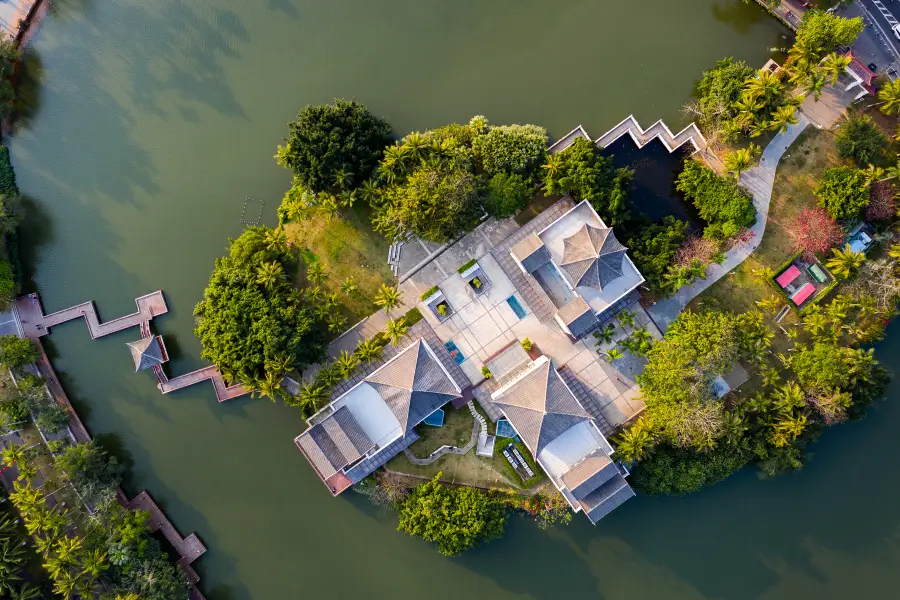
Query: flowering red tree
column 814, row 231
column 881, row 201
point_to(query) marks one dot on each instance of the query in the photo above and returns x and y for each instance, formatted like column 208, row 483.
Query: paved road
column 877, row 44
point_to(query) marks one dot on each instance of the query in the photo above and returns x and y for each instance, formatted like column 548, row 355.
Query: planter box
column 473, row 274
column 436, row 300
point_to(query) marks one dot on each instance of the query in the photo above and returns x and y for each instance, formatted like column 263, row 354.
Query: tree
column 673, row 471
column 16, row 352
column 312, row 397
column 334, row 145
column 388, row 297
column 8, row 286
column 845, row 262
column 347, row 363
column 511, row 149
column 89, row 462
column 860, row 139
column 822, row 31
column 9, row 58
column 637, row 441
column 52, row 418
column 455, row 519
column 718, row 92
column 507, row 194
column 889, row 94
column 827, row 366
column 783, row 117
column 881, row 201
column 721, row 203
column 583, row 171
column 741, row 159
column 395, row 330
column 843, row 192
column 245, row 327
column 814, row 232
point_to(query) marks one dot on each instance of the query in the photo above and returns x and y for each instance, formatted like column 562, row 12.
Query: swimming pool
column 516, row 307
column 454, row 352
column 505, row 429
column 435, row 419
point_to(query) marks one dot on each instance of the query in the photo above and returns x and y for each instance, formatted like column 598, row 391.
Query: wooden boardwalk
column 36, row 324
column 658, row 131
column 211, row 373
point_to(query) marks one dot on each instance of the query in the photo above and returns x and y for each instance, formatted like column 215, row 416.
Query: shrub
column 52, row 418
column 463, row 268
column 843, row 192
column 721, row 203
column 672, row 471
column 331, row 141
column 507, row 194
column 16, row 352
column 429, row 292
column 860, row 139
column 485, row 372
column 511, row 149
column 8, row 286
column 527, row 344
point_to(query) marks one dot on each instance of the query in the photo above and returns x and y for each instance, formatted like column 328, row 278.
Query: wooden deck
column 211, row 373
column 36, row 324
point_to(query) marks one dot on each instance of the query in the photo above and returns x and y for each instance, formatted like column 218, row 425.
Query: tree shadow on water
column 28, row 90
column 35, row 232
column 742, row 16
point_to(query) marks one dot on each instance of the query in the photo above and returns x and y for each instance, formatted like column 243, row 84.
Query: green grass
column 349, row 248
column 456, row 431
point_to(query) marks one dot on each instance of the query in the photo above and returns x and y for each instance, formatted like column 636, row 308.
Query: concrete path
column 759, row 182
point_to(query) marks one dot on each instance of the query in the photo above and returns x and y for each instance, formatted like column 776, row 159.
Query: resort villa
column 554, row 281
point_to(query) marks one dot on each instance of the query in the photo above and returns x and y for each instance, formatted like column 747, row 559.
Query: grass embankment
column 349, row 248
column 795, row 182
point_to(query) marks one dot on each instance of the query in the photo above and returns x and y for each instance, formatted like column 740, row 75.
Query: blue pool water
column 516, row 307
column 504, row 429
column 454, row 352
column 435, row 419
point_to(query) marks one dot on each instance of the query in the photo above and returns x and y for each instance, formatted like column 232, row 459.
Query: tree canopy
column 719, row 91
column 721, row 203
column 251, row 322
column 822, row 31
column 843, row 192
column 675, row 471
column 16, row 352
column 455, row 519
column 653, row 248
column 585, row 172
column 334, row 145
column 861, row 139
column 510, row 149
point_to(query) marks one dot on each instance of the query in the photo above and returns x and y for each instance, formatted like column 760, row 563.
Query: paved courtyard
column 482, row 325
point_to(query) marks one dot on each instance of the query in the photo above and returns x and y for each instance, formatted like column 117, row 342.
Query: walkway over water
column 630, row 126
column 211, row 373
column 36, row 324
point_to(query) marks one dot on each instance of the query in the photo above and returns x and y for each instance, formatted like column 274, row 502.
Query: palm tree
column 613, row 354
column 784, row 117
column 369, row 191
column 329, row 207
column 28, row 591
column 415, row 142
column 317, row 272
column 388, row 297
column 845, row 263
column 788, row 397
column 889, row 94
column 311, row 397
column 65, row 583
column 874, row 174
column 369, row 350
column 276, row 241
column 343, row 178
column 282, row 153
column 270, row 386
column 605, row 335
column 635, row 442
column 395, row 330
column 349, row 286
column 27, row 470
column 625, row 318
column 93, row 563
column 813, row 83
column 741, row 159
column 13, row 454
column 347, row 198
column 835, row 64
column 268, row 274
column 336, row 323
column 894, row 252
column 552, row 165
column 346, row 364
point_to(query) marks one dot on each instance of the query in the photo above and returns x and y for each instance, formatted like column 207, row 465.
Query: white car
column 896, row 30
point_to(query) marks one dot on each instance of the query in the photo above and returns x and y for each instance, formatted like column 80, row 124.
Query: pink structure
column 788, row 276
column 801, row 295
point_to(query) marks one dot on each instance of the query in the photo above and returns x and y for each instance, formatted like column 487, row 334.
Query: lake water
column 150, row 124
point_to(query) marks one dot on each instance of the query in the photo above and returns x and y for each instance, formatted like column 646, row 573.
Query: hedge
column 463, row 268
column 430, row 292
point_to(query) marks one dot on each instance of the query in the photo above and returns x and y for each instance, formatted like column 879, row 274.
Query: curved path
column 759, row 182
column 479, row 426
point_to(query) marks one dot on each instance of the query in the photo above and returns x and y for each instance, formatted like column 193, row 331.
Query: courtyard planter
column 438, row 304
column 475, row 277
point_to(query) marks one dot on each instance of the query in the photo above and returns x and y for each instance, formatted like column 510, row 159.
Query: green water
column 152, row 121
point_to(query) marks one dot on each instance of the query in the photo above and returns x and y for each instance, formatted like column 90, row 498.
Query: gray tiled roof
column 531, row 252
column 146, row 353
column 606, row 498
column 368, row 466
column 578, row 317
column 589, row 474
column 335, row 442
column 586, row 400
column 593, row 256
column 541, row 407
column 413, row 385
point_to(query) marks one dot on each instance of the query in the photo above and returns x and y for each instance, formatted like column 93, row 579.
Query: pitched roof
column 335, row 442
column 593, row 256
column 605, row 498
column 540, row 407
column 589, row 474
column 413, row 385
column 578, row 317
column 146, row 353
column 531, row 252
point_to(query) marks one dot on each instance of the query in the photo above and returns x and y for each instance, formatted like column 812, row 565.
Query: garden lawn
column 795, row 182
column 456, row 431
column 349, row 248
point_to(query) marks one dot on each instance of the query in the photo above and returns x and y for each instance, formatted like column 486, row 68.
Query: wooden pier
column 211, row 373
column 36, row 324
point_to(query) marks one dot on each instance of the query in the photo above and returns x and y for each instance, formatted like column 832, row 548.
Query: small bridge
column 629, row 126
column 211, row 373
column 36, row 324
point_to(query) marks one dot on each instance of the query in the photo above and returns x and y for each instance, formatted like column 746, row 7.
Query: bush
column 721, row 203
column 507, row 194
column 843, row 192
column 860, row 139
column 517, row 149
column 653, row 250
column 89, row 463
column 719, row 90
column 455, row 519
column 52, row 418
column 328, row 141
column 8, row 286
column 16, row 352
column 672, row 471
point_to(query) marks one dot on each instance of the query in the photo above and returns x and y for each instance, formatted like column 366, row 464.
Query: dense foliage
column 721, row 203
column 824, row 31
column 455, row 519
column 677, row 471
column 719, row 92
column 653, row 248
column 9, row 58
column 814, row 231
column 507, row 194
column 509, row 149
column 861, row 139
column 16, row 352
column 334, row 145
column 843, row 192
column 251, row 322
